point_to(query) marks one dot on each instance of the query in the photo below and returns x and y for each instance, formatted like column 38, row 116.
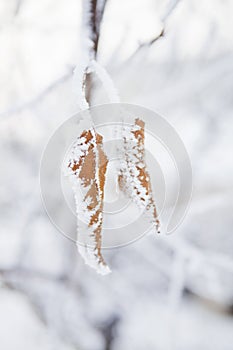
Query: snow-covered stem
column 92, row 14
column 106, row 81
column 86, row 52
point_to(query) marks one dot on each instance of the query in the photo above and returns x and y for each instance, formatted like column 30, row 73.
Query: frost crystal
column 87, row 164
column 134, row 179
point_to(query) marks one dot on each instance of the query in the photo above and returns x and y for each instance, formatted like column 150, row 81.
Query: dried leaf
column 87, row 165
column 134, row 178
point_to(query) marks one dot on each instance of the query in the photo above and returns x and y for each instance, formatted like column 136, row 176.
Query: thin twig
column 97, row 11
column 29, row 273
column 34, row 101
column 170, row 8
column 18, row 7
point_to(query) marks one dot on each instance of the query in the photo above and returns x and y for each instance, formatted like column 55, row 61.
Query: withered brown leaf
column 88, row 163
column 134, row 178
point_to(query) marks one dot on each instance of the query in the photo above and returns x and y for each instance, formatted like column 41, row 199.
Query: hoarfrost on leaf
column 87, row 165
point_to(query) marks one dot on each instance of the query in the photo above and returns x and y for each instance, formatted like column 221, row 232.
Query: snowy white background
column 166, row 293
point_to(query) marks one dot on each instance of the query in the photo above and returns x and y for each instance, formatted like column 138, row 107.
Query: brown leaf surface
column 134, row 178
column 91, row 168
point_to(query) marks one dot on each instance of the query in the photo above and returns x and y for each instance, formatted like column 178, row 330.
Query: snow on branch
column 106, row 80
column 92, row 14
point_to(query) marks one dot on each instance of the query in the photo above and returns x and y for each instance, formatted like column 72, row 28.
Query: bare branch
column 8, row 275
column 149, row 43
column 170, row 8
column 34, row 101
column 97, row 12
column 18, row 6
